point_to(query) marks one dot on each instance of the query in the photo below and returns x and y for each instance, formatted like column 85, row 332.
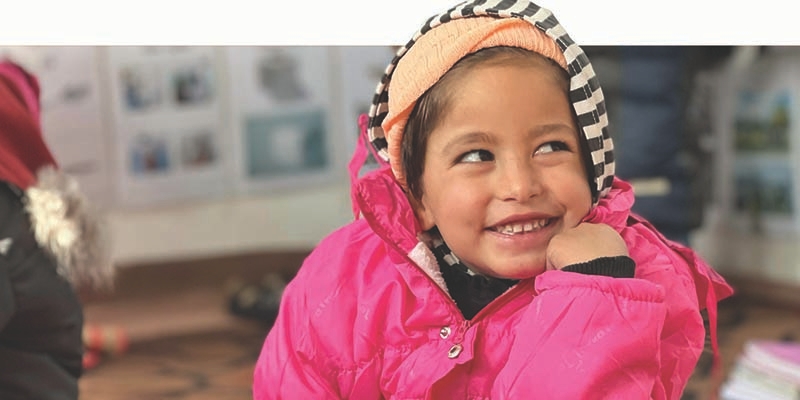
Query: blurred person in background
column 659, row 114
column 51, row 246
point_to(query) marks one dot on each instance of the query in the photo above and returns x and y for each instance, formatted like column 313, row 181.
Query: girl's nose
column 518, row 180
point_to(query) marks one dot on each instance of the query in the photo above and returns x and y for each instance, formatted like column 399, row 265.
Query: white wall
column 283, row 221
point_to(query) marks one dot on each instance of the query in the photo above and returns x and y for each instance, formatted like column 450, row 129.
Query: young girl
column 496, row 256
column 50, row 244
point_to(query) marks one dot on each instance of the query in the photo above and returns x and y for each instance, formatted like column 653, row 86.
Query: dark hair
column 430, row 107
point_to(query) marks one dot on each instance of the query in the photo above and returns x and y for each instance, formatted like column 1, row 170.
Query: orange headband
column 435, row 52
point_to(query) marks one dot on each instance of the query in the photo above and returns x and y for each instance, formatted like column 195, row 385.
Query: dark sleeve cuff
column 615, row 267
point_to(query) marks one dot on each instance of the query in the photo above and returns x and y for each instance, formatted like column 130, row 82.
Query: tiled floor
column 188, row 346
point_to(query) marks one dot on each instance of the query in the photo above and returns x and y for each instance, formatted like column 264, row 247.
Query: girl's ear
column 423, row 214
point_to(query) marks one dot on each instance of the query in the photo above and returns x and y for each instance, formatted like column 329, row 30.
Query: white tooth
column 517, row 228
column 508, row 229
column 528, row 227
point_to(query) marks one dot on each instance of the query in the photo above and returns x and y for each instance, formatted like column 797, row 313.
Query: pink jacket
column 368, row 317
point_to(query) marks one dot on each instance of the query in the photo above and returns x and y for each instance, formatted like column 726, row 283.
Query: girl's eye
column 476, row 156
column 550, row 147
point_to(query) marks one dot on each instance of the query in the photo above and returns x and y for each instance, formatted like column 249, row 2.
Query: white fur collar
column 64, row 225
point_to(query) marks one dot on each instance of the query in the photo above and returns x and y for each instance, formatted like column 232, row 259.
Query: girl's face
column 503, row 171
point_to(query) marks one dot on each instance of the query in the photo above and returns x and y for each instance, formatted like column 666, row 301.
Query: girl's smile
column 524, row 235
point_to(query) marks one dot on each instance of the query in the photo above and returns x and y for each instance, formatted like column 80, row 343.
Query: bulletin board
column 282, row 123
column 764, row 185
column 170, row 134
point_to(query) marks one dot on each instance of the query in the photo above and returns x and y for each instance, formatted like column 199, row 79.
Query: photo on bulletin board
column 286, row 144
column 762, row 122
column 274, row 77
column 278, row 72
column 764, row 199
column 149, row 154
column 141, row 87
column 198, row 149
column 193, row 84
column 766, row 188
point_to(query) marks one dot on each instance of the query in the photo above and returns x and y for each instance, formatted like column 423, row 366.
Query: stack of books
column 766, row 369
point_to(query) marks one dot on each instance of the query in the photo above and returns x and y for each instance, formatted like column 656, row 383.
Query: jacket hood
column 23, row 150
column 585, row 94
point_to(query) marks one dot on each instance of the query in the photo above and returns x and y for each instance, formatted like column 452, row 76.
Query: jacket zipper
column 501, row 300
column 498, row 302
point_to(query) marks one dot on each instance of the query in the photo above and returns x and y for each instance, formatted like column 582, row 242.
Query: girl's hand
column 583, row 243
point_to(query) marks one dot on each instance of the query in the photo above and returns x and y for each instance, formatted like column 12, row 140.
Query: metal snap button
column 454, row 351
column 444, row 332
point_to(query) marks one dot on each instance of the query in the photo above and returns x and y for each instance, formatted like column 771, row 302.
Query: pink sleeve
column 690, row 285
column 287, row 367
column 587, row 337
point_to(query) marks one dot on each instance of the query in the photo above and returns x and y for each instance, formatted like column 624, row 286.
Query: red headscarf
column 23, row 150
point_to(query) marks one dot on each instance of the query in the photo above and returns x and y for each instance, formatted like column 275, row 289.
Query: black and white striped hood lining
column 585, row 93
